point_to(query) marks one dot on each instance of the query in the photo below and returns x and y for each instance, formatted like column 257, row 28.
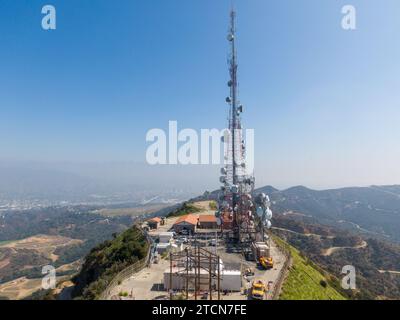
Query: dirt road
column 330, row 251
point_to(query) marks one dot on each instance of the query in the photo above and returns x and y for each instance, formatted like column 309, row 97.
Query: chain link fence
column 129, row 271
column 282, row 275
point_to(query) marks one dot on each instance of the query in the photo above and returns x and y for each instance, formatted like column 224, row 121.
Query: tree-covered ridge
column 106, row 260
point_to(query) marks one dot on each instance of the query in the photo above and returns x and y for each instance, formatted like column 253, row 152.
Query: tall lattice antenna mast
column 233, row 74
column 240, row 214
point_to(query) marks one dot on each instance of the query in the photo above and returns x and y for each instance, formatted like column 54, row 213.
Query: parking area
column 144, row 285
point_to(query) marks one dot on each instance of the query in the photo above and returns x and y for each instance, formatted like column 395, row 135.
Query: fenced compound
column 141, row 264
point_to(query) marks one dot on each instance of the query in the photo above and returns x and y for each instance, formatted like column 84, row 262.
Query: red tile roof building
column 154, row 223
column 208, row 222
column 187, row 222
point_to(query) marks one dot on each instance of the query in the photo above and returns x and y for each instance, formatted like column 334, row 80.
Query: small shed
column 165, row 237
column 208, row 222
column 163, row 247
column 168, row 247
column 231, row 280
column 154, row 223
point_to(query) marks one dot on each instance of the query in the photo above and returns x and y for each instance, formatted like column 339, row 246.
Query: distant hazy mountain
column 267, row 190
column 374, row 209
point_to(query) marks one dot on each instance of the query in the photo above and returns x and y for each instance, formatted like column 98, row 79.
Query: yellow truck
column 258, row 290
column 267, row 263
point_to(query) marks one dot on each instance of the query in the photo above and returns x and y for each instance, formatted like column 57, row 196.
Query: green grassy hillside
column 369, row 256
column 306, row 281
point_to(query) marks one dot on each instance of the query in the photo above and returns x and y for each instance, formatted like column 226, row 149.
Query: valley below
column 332, row 228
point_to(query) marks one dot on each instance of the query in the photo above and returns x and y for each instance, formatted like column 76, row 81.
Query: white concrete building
column 231, row 280
column 165, row 237
column 163, row 247
column 168, row 247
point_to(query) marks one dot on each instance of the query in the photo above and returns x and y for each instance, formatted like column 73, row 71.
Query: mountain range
column 373, row 210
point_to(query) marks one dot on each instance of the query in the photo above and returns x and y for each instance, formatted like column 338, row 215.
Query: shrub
column 213, row 205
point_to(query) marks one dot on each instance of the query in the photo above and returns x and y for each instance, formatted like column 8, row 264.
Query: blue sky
column 324, row 102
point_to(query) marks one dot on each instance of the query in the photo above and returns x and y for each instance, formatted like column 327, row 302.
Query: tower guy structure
column 242, row 216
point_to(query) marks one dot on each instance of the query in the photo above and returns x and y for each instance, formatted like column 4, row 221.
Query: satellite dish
column 269, row 214
column 260, row 211
column 219, row 221
column 263, row 196
column 266, row 201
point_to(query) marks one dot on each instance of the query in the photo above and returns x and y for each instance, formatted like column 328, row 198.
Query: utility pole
column 198, row 262
column 195, row 274
column 170, row 276
column 187, row 274
column 218, row 279
column 210, row 277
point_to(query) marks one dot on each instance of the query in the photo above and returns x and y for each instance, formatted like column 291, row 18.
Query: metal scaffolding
column 188, row 265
